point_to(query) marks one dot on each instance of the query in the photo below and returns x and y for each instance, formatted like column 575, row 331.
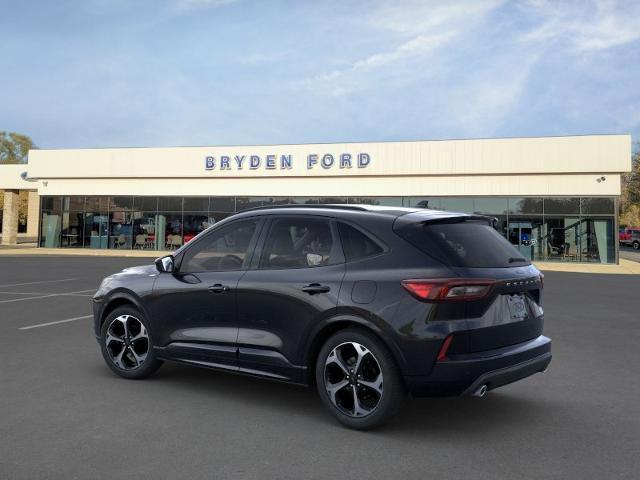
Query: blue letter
column 345, row 160
column 327, row 160
column 254, row 162
column 240, row 161
column 311, row 160
column 363, row 160
column 271, row 162
column 285, row 162
column 224, row 162
column 209, row 163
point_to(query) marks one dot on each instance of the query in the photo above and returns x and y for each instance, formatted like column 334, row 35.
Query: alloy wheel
column 353, row 379
column 127, row 342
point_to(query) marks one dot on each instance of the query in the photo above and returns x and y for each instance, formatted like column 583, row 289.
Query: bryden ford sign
column 285, row 162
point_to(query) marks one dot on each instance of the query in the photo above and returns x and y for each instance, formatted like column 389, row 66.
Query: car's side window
column 356, row 244
column 299, row 242
column 222, row 250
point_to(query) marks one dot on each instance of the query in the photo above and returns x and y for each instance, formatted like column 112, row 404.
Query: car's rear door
column 296, row 283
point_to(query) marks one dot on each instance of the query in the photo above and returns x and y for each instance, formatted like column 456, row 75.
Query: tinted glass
column 96, row 204
column 453, row 204
column 528, row 205
column 490, row 206
column 463, row 244
column 149, row 204
column 386, row 201
column 304, row 200
column 50, row 203
column 222, row 204
column 332, row 200
column 196, row 204
column 73, row 204
column 604, row 206
column 356, row 244
column 561, row 206
column 170, row 204
column 243, row 203
column 121, row 203
column 299, row 243
column 425, row 202
column 222, row 250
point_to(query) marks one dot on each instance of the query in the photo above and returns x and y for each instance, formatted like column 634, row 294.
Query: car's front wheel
column 636, row 245
column 358, row 380
column 126, row 344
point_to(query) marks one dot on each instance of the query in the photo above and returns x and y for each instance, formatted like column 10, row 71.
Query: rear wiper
column 517, row 259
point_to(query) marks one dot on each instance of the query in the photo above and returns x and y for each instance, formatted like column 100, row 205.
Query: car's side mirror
column 165, row 264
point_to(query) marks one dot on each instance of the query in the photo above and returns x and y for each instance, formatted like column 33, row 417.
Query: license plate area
column 517, row 306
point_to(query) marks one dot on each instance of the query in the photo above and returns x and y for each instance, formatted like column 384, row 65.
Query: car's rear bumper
column 464, row 374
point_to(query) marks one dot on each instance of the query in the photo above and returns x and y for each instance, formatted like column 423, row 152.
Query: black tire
column 636, row 245
column 129, row 366
column 393, row 389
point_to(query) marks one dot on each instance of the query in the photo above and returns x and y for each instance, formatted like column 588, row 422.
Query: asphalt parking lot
column 629, row 253
column 65, row 415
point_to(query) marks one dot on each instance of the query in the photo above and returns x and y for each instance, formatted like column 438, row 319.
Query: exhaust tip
column 481, row 391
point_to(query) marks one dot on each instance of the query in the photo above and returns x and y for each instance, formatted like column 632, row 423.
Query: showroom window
column 565, row 229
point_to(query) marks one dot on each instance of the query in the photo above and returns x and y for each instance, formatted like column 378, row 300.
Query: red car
column 630, row 237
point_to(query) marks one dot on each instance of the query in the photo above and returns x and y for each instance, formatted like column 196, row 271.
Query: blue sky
column 102, row 73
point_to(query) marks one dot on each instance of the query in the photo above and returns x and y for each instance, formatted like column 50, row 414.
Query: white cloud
column 419, row 45
column 480, row 107
column 420, row 28
column 420, row 16
column 598, row 25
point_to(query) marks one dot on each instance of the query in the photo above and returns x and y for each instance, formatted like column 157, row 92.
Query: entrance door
column 521, row 236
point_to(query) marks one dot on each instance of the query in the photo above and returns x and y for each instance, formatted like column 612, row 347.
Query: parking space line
column 41, row 281
column 29, row 327
column 4, row 292
column 46, row 296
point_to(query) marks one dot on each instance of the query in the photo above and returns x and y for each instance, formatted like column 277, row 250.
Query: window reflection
column 566, row 229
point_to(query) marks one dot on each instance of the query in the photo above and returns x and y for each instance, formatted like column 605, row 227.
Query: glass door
column 96, row 230
column 524, row 236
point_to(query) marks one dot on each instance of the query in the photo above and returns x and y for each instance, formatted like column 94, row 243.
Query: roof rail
column 336, row 206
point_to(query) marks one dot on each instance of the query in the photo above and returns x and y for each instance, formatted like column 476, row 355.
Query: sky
column 115, row 73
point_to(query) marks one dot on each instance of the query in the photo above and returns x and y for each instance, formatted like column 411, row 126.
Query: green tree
column 14, row 147
column 630, row 198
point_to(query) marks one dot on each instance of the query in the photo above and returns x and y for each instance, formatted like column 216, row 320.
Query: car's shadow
column 429, row 416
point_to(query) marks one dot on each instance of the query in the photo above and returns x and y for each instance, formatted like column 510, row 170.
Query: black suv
column 367, row 303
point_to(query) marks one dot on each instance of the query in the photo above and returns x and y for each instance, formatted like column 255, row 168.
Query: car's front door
column 195, row 308
column 296, row 284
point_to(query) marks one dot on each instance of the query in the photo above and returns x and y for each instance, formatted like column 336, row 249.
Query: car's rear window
column 463, row 243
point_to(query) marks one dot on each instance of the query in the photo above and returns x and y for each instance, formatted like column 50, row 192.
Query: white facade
column 488, row 167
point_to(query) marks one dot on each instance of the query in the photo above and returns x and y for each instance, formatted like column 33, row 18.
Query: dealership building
column 554, row 198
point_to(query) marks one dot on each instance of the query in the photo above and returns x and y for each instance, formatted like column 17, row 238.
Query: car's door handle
column 219, row 288
column 316, row 288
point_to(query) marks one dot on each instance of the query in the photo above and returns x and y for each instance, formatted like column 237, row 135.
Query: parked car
column 630, row 237
column 366, row 303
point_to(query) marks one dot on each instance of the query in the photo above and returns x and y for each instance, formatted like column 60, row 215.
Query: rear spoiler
column 436, row 217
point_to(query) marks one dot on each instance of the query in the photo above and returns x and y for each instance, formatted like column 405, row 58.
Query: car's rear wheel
column 636, row 245
column 358, row 380
column 126, row 344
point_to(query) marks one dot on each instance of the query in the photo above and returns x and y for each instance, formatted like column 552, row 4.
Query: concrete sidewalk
column 626, row 267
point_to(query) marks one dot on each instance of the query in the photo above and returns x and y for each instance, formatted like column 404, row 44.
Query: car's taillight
column 446, row 289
